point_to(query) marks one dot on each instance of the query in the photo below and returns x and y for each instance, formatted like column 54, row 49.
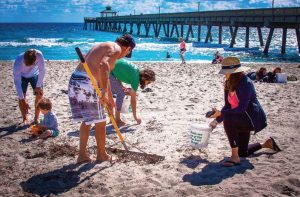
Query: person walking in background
column 168, row 56
column 84, row 101
column 182, row 49
column 241, row 114
column 29, row 67
column 128, row 73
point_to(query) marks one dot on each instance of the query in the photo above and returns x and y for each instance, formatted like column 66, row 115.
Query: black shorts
column 32, row 81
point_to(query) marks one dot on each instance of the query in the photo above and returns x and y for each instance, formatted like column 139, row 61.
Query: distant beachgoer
column 271, row 76
column 218, row 58
column 241, row 114
column 182, row 50
column 29, row 67
column 259, row 75
column 168, row 55
column 49, row 125
column 84, row 101
column 128, row 73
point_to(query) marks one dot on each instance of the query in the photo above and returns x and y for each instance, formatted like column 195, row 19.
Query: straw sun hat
column 232, row 65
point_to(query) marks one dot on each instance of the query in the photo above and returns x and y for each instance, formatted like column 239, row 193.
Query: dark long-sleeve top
column 248, row 104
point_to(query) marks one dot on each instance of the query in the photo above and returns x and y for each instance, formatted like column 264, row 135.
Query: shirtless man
column 86, row 107
column 29, row 67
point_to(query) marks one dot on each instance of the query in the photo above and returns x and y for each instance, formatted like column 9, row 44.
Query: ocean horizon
column 57, row 41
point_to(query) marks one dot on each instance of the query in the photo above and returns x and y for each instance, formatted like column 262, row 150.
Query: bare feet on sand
column 24, row 122
column 120, row 123
column 84, row 158
column 106, row 157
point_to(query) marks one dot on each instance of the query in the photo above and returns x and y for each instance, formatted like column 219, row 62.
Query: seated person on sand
column 271, row 76
column 241, row 114
column 259, row 75
column 218, row 58
column 128, row 73
column 28, row 68
column 48, row 127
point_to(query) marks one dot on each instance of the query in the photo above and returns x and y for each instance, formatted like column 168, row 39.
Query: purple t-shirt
column 21, row 70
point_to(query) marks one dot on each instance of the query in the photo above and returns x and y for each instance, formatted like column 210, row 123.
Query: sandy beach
column 161, row 161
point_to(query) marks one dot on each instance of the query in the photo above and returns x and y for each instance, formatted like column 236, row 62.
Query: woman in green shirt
column 128, row 73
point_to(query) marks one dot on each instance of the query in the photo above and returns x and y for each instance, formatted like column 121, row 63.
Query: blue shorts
column 33, row 81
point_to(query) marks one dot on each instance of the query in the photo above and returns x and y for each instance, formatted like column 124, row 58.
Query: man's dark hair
column 29, row 57
column 126, row 40
column 146, row 75
column 44, row 104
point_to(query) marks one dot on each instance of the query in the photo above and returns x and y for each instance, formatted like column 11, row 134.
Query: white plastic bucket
column 200, row 135
column 126, row 107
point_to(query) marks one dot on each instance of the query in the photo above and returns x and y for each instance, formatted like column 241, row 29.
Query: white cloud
column 125, row 7
column 81, row 8
column 287, row 3
column 220, row 5
column 12, row 1
column 171, row 7
column 110, row 2
column 80, row 2
column 278, row 3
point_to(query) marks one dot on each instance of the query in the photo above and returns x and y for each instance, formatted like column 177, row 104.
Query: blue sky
column 75, row 10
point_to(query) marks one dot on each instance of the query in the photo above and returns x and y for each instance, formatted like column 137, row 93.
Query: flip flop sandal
column 231, row 163
column 275, row 146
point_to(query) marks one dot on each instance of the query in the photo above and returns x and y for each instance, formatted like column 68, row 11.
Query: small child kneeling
column 49, row 125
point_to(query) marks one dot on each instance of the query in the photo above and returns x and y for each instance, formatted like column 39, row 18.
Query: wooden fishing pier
column 174, row 23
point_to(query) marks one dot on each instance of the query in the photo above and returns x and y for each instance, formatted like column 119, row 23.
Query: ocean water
column 58, row 40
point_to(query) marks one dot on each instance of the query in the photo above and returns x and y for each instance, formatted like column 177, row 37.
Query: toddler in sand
column 48, row 126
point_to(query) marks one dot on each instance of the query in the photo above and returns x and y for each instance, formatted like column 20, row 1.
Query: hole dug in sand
column 67, row 150
column 53, row 151
column 59, row 150
column 123, row 156
column 139, row 158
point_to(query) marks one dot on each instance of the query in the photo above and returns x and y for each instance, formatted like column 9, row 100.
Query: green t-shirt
column 127, row 72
